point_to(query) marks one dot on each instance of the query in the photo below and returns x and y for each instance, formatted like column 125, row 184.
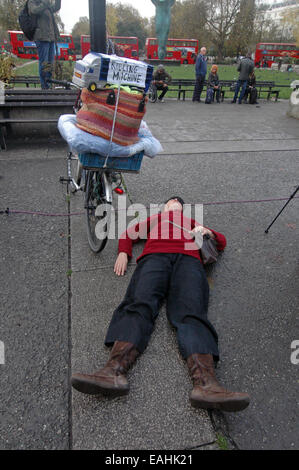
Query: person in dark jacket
column 200, row 72
column 213, row 82
column 46, row 35
column 169, row 268
column 245, row 68
column 251, row 90
column 161, row 80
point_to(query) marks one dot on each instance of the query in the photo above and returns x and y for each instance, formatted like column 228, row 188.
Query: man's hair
column 179, row 199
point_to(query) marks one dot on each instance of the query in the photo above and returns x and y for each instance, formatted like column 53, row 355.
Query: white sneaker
column 161, row 101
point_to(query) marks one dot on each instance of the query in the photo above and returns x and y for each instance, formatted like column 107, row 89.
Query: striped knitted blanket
column 96, row 116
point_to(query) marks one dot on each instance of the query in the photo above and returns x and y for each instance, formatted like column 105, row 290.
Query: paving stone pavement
column 211, row 153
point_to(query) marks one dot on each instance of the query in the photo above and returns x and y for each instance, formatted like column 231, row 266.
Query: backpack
column 28, row 23
column 253, row 96
column 210, row 96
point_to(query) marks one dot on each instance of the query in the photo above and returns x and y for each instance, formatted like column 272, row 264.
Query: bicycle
column 98, row 177
column 88, row 173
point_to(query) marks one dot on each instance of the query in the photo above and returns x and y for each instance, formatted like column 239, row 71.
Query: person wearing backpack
column 45, row 36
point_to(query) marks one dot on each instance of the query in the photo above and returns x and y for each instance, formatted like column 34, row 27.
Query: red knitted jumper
column 163, row 237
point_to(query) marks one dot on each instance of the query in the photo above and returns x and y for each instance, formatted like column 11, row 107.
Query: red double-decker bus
column 25, row 49
column 125, row 46
column 183, row 50
column 266, row 52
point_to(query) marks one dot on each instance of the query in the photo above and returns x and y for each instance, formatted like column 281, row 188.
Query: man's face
column 173, row 205
column 203, row 51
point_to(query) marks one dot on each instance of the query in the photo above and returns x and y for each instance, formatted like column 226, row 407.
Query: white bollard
column 294, row 100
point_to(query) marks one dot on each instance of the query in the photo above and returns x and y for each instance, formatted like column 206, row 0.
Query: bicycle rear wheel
column 98, row 211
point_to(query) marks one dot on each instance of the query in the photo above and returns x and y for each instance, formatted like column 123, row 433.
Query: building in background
column 277, row 11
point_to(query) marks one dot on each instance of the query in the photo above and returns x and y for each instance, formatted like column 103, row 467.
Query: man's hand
column 203, row 230
column 121, row 264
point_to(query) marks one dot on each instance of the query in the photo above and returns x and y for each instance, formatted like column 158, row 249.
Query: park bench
column 32, row 80
column 31, row 100
column 27, row 80
column 184, row 86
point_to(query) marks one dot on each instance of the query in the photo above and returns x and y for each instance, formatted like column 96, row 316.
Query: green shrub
column 6, row 68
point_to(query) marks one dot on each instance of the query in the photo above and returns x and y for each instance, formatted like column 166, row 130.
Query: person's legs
column 131, row 326
column 201, row 84
column 164, row 91
column 51, row 59
column 218, row 94
column 244, row 86
column 187, row 308
column 245, row 97
column 43, row 48
column 198, row 88
column 134, row 319
column 238, row 86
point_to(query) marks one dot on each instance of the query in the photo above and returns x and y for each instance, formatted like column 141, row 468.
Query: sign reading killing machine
column 127, row 73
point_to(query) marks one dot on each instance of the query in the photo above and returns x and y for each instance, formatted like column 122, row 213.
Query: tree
column 111, row 20
column 130, row 23
column 81, row 27
column 290, row 19
column 188, row 20
column 241, row 37
column 9, row 13
column 220, row 19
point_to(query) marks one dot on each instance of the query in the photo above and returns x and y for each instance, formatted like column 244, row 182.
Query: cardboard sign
column 127, row 72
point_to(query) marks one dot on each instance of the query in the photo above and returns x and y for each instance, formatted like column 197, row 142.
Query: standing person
column 169, row 268
column 200, row 72
column 214, row 84
column 161, row 80
column 45, row 36
column 245, row 68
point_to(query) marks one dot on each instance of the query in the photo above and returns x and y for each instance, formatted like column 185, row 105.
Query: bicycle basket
column 92, row 160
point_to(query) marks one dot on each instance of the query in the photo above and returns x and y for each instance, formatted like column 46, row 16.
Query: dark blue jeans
column 243, row 84
column 181, row 281
column 199, row 84
column 46, row 55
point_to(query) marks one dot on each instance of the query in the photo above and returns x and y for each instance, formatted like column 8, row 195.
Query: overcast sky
column 71, row 10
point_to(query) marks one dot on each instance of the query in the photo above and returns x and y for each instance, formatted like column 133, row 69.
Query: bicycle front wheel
column 98, row 211
column 74, row 172
column 152, row 93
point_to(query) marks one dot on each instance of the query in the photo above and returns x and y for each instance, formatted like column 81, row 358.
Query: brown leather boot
column 110, row 380
column 207, row 393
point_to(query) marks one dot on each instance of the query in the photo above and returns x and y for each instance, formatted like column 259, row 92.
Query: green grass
column 30, row 69
column 222, row 442
column 229, row 72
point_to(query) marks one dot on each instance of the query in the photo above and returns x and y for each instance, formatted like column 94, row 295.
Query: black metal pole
column 291, row 197
column 97, row 19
